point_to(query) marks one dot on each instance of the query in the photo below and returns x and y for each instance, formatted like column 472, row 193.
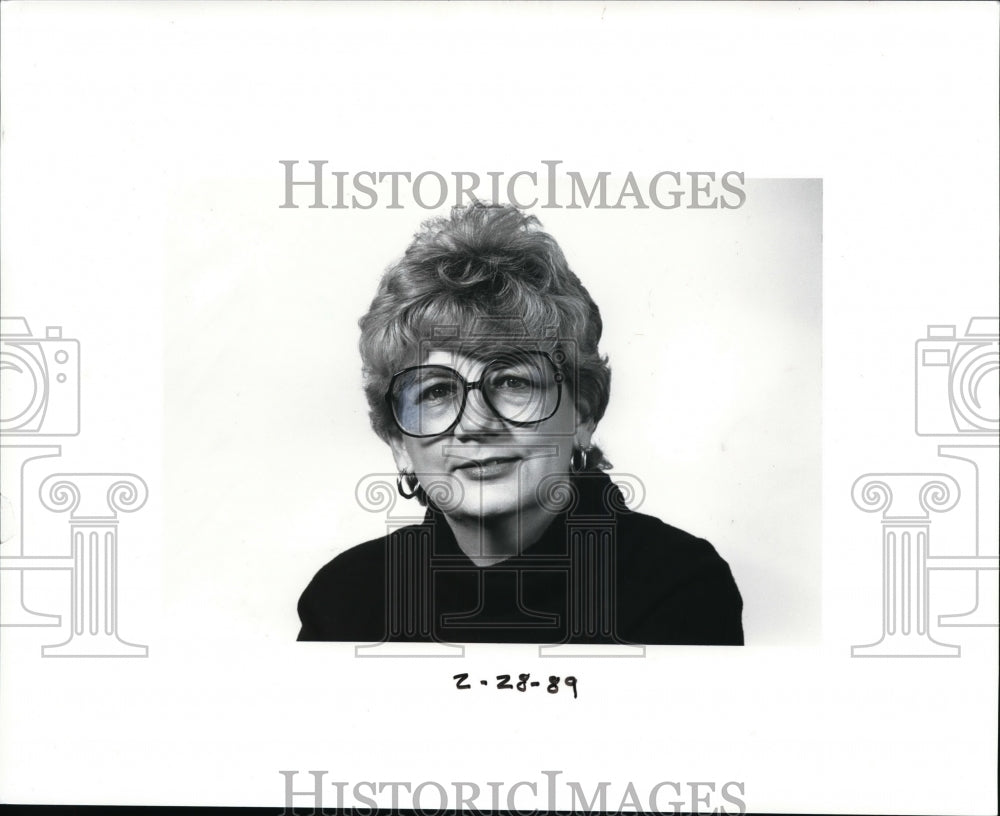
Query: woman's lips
column 489, row 468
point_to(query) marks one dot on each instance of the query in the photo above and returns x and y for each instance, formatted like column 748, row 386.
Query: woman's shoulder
column 654, row 531
column 680, row 589
column 651, row 543
column 345, row 600
column 361, row 559
column 639, row 537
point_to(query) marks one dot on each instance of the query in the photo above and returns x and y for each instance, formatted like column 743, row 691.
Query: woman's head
column 486, row 285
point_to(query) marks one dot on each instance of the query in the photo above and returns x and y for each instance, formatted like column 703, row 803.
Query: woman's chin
column 494, row 499
column 485, row 502
column 484, row 513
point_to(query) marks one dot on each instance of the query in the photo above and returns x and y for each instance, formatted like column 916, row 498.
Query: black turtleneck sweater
column 599, row 574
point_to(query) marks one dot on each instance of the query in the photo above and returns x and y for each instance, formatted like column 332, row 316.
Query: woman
column 482, row 373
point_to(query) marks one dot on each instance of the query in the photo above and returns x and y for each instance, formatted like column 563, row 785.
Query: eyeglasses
column 429, row 400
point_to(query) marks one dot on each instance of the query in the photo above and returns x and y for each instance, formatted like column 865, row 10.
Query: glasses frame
column 472, row 386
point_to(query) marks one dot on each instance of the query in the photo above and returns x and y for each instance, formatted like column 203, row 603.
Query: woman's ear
column 404, row 464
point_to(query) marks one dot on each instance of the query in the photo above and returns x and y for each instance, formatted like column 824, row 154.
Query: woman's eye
column 438, row 391
column 512, row 383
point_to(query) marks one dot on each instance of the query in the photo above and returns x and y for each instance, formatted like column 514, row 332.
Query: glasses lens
column 522, row 389
column 426, row 400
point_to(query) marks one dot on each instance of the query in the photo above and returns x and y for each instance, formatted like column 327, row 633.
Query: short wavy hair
column 492, row 271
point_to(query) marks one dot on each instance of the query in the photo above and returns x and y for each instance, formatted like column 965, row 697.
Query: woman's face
column 484, row 465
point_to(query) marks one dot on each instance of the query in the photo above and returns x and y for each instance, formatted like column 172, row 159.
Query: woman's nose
column 478, row 417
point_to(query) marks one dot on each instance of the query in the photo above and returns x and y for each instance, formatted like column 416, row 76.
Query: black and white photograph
column 498, row 406
column 483, row 375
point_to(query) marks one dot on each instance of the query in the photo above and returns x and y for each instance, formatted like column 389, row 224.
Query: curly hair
column 486, row 276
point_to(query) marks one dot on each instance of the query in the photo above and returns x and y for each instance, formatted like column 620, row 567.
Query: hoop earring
column 578, row 461
column 410, row 480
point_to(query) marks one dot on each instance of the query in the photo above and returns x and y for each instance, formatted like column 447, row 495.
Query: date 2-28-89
column 524, row 682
